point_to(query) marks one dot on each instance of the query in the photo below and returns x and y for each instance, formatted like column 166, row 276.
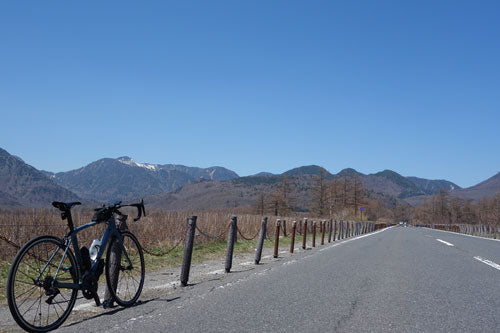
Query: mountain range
column 172, row 186
column 387, row 186
column 123, row 178
column 23, row 185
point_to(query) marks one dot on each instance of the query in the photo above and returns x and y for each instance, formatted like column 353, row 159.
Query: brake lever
column 138, row 216
column 140, row 210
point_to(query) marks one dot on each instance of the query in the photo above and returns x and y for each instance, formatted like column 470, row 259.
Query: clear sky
column 412, row 86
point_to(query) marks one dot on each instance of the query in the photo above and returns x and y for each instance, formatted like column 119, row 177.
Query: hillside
column 487, row 188
column 123, row 178
column 387, row 186
column 433, row 186
column 239, row 192
column 392, row 183
column 212, row 173
column 23, row 185
column 308, row 170
column 243, row 191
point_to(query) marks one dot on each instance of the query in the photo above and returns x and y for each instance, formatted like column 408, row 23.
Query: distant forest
column 342, row 198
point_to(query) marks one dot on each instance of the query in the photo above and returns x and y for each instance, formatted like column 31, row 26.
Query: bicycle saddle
column 65, row 206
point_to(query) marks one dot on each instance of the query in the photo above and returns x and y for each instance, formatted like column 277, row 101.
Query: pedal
column 108, row 304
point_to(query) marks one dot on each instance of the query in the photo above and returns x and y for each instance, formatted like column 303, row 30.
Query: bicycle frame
column 71, row 238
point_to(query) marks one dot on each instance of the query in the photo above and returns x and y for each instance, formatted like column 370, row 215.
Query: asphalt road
column 397, row 280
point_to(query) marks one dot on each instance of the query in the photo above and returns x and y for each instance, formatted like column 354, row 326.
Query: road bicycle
column 45, row 276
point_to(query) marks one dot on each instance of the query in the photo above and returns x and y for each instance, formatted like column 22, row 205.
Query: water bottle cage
column 84, row 252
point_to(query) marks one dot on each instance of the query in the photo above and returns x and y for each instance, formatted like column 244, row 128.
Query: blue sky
column 412, row 86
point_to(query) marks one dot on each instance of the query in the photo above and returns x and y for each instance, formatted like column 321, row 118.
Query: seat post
column 67, row 214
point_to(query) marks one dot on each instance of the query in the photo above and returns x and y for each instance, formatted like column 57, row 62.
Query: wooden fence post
column 323, row 227
column 304, row 235
column 330, row 231
column 292, row 240
column 260, row 244
column 188, row 251
column 334, row 229
column 314, row 234
column 277, row 238
column 230, row 243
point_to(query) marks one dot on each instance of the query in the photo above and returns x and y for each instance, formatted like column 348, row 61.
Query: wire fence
column 207, row 235
column 480, row 230
column 161, row 253
column 247, row 238
column 159, row 232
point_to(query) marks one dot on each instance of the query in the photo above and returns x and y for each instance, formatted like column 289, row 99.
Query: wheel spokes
column 38, row 305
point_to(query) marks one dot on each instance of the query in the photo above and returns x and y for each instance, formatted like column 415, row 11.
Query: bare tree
column 260, row 203
column 456, row 210
column 443, row 206
column 402, row 213
column 469, row 215
column 331, row 188
column 281, row 199
column 338, row 192
column 358, row 193
column 319, row 193
column 374, row 209
column 496, row 208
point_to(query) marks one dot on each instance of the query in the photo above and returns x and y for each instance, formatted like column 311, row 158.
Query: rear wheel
column 34, row 303
column 125, row 278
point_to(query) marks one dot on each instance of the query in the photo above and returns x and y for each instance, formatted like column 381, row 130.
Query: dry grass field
column 159, row 229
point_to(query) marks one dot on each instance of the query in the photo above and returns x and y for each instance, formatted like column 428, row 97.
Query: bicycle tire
column 29, row 262
column 126, row 277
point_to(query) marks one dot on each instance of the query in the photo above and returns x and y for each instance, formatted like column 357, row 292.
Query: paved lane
column 398, row 280
column 475, row 246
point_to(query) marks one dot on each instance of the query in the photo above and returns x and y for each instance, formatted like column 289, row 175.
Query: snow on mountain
column 128, row 161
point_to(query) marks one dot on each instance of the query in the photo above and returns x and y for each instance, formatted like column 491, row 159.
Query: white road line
column 345, row 241
column 330, row 246
column 488, row 262
column 444, row 242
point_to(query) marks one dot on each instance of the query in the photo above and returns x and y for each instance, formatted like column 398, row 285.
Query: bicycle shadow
column 192, row 284
column 118, row 309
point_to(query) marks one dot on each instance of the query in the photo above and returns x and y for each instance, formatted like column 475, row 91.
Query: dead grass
column 158, row 231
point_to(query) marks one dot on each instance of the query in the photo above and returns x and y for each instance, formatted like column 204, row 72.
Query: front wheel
column 125, row 269
column 35, row 304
